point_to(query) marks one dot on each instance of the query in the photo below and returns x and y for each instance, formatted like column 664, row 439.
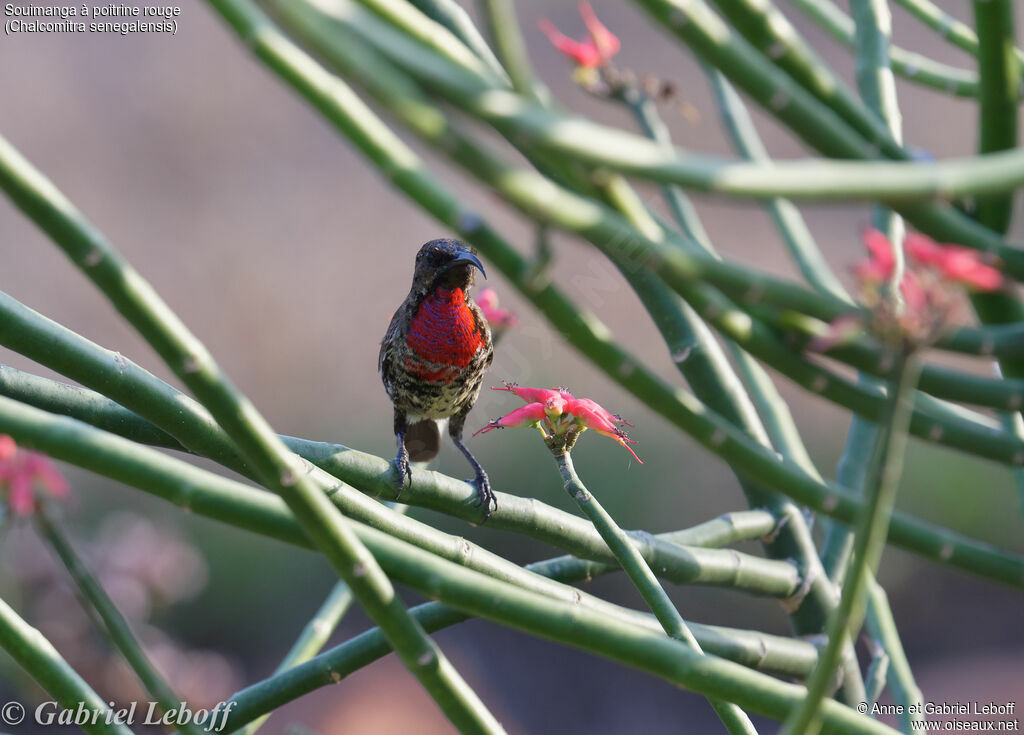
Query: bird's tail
column 423, row 440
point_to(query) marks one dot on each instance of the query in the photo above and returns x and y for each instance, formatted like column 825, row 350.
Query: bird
column 433, row 358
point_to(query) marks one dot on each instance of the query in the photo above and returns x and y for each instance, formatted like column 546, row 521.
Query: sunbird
column 433, row 358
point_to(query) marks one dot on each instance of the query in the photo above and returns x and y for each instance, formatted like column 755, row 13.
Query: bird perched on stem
column 433, row 358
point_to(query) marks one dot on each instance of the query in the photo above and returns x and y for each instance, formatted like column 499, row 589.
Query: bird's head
column 445, row 264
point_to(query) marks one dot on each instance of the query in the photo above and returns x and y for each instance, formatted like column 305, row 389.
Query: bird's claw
column 404, row 470
column 484, row 495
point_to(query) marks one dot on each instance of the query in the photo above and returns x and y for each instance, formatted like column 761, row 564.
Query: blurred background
column 287, row 254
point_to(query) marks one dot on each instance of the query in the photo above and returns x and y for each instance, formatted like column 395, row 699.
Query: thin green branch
column 503, row 27
column 771, row 33
column 851, row 473
column 114, row 624
column 878, row 670
column 908, row 64
column 900, row 678
column 872, row 43
column 956, row 32
column 999, row 98
column 745, row 138
column 425, row 30
column 872, row 527
column 453, row 17
column 313, row 638
column 998, row 110
column 636, row 568
column 278, row 469
column 37, row 656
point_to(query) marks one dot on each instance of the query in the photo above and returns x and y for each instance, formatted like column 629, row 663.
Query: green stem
column 36, row 655
column 999, row 98
column 636, row 568
column 453, row 17
column 900, row 678
column 872, row 528
column 911, row 66
column 998, row 61
column 645, row 110
column 958, row 33
column 771, row 33
column 313, row 638
column 114, row 624
column 745, row 138
column 278, row 468
column 435, row 35
column 503, row 27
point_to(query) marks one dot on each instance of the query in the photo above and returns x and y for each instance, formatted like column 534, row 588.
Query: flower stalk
column 735, row 719
column 115, row 626
column 872, row 527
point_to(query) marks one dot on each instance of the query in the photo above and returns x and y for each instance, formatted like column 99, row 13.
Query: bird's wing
column 386, row 347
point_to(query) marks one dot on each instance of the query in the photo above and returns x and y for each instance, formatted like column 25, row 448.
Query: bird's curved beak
column 468, row 257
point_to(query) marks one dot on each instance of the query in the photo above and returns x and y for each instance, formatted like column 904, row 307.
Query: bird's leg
column 402, row 458
column 485, row 496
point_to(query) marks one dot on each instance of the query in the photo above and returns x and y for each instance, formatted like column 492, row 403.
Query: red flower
column 496, row 317
column 595, row 51
column 954, row 263
column 880, row 262
column 7, row 447
column 21, row 471
column 557, row 411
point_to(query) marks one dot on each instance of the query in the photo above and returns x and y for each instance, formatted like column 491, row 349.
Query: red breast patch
column 443, row 335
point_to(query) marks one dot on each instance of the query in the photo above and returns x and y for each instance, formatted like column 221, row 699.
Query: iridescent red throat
column 443, row 332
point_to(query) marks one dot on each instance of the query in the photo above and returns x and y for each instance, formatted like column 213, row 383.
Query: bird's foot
column 484, row 495
column 403, row 469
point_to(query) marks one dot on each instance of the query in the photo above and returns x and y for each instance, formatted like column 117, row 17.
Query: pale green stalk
column 872, row 528
column 900, row 678
column 503, row 27
column 37, row 656
column 115, row 626
column 453, row 17
column 636, row 568
column 312, row 639
column 956, row 32
column 909, row 65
